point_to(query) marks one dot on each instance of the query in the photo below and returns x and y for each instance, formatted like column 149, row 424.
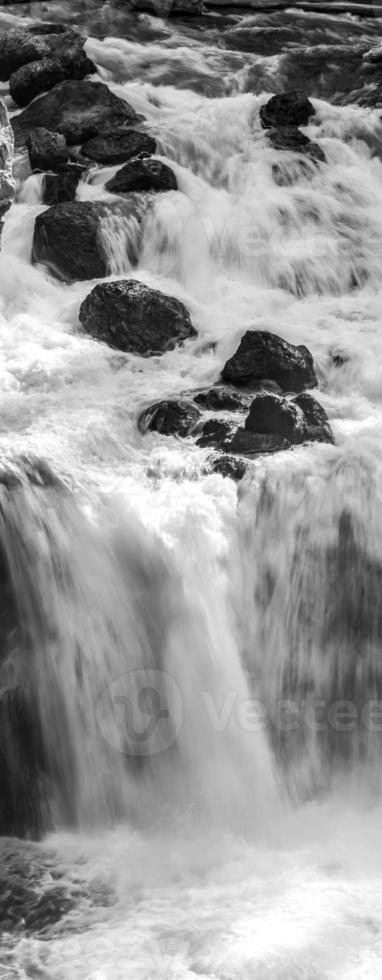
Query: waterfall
column 190, row 669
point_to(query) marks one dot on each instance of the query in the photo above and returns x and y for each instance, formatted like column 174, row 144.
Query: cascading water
column 190, row 677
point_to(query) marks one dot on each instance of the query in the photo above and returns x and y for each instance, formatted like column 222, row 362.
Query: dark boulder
column 70, row 239
column 22, row 45
column 223, row 399
column 247, row 443
column 296, row 420
column 142, row 175
column 121, row 144
column 33, row 79
column 272, row 415
column 170, row 418
column 216, row 432
column 262, row 356
column 47, row 151
column 287, row 109
column 59, row 188
column 316, row 420
column 131, row 317
column 78, row 110
column 290, row 138
column 228, row 466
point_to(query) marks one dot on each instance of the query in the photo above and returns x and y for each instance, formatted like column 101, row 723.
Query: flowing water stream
column 241, row 837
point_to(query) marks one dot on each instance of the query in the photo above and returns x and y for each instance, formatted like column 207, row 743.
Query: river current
column 246, row 844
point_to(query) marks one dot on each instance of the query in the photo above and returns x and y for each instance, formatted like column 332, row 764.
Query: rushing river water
column 243, row 840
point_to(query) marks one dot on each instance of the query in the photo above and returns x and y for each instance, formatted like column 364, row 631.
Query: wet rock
column 216, row 432
column 229, row 466
column 287, row 109
column 114, row 147
column 316, row 420
column 22, row 45
column 71, row 239
column 247, row 443
column 262, row 355
column 7, row 185
column 59, row 188
column 131, row 317
column 271, row 415
column 290, row 138
column 170, row 418
column 223, row 399
column 46, row 150
column 142, row 175
column 33, row 79
column 78, row 110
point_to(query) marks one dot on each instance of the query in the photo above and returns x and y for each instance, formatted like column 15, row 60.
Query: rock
column 216, row 432
column 78, row 110
column 170, row 418
column 295, row 421
column 223, row 399
column 316, row 420
column 22, row 45
column 121, row 144
column 290, row 138
column 7, row 184
column 46, row 150
column 262, row 355
column 142, row 175
column 33, row 79
column 271, row 415
column 247, row 443
column 287, row 109
column 229, row 466
column 59, row 188
column 71, row 239
column 131, row 317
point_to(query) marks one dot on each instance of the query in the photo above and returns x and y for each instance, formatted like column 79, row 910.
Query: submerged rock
column 23, row 45
column 7, row 184
column 33, row 79
column 142, row 175
column 131, row 317
column 59, row 188
column 78, row 110
column 287, row 109
column 71, row 238
column 46, row 150
column 170, row 418
column 116, row 146
column 262, row 356
column 290, row 138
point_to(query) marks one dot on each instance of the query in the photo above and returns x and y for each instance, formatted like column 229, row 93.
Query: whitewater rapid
column 246, row 849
